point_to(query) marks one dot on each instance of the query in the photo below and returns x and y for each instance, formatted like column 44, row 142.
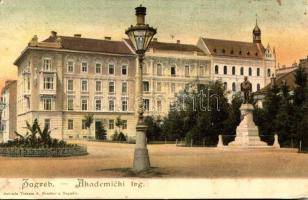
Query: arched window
column 268, row 72
column 159, row 70
column 233, row 70
column 258, row 87
column 258, row 71
column 242, row 71
column 233, row 87
column 250, row 71
column 216, row 69
column 225, row 70
column 225, row 85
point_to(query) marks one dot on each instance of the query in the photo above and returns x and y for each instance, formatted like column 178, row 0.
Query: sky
column 284, row 23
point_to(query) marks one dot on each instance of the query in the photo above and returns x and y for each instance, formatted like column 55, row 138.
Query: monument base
column 247, row 134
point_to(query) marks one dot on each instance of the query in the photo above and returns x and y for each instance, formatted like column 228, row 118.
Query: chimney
column 77, row 35
column 107, row 38
column 178, row 41
column 53, row 34
column 155, row 39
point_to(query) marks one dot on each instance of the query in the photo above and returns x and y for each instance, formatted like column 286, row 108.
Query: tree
column 88, row 122
column 101, row 133
column 154, row 130
column 233, row 120
column 265, row 118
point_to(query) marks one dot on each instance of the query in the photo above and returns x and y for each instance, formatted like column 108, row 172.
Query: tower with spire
column 256, row 33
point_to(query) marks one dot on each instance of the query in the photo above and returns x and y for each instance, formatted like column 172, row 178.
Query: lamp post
column 140, row 35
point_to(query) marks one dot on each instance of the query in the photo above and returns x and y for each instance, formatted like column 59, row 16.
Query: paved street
column 114, row 160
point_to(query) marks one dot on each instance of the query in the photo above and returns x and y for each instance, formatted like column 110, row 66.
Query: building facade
column 62, row 79
column 168, row 68
column 231, row 61
column 8, row 114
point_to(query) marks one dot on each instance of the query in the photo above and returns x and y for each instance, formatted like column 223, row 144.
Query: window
column 242, row 71
column 201, row 71
column 98, row 86
column 124, row 70
column 173, row 71
column 28, row 83
column 158, row 86
column 48, row 83
column 111, row 87
column 250, row 71
column 258, row 71
column 146, row 86
column 268, row 72
column 172, row 87
column 47, row 103
column 225, row 70
column 124, row 105
column 98, row 104
column 84, row 67
column 186, row 71
column 70, row 66
column 47, row 64
column 124, row 87
column 225, row 85
column 98, row 68
column 159, row 105
column 258, row 87
column 124, row 124
column 70, row 85
column 146, row 104
column 111, row 69
column 84, row 85
column 111, row 124
column 233, row 87
column 70, row 103
column 216, row 69
column 111, row 105
column 83, row 125
column 233, row 70
column 47, row 123
column 84, row 104
column 70, row 124
column 159, row 70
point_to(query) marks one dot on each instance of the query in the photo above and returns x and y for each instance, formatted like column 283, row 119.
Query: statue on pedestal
column 246, row 88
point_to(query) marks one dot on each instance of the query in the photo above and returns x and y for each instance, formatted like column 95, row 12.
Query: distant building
column 8, row 115
column 232, row 60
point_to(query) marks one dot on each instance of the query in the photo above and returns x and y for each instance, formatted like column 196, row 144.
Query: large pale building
column 62, row 79
column 8, row 114
column 232, row 60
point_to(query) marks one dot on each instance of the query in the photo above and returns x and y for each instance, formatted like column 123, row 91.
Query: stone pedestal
column 247, row 134
column 220, row 142
column 276, row 143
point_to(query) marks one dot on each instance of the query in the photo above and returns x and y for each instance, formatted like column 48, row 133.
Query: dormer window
column 214, row 50
column 248, row 53
column 240, row 52
column 231, row 52
column 256, row 53
column 223, row 51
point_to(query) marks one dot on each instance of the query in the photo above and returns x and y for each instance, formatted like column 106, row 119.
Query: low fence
column 43, row 152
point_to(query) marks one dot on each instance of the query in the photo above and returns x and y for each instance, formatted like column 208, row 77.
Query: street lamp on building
column 140, row 35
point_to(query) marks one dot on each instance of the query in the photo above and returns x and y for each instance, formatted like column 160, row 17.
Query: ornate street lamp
column 140, row 35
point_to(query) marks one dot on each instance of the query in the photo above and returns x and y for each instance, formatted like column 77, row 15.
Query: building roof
column 219, row 47
column 167, row 46
column 287, row 78
column 92, row 45
column 8, row 83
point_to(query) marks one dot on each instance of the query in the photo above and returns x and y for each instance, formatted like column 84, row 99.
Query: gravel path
column 167, row 160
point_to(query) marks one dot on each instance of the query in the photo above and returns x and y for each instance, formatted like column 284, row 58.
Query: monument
column 247, row 133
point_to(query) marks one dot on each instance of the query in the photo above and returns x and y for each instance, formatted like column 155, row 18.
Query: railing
column 43, row 152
